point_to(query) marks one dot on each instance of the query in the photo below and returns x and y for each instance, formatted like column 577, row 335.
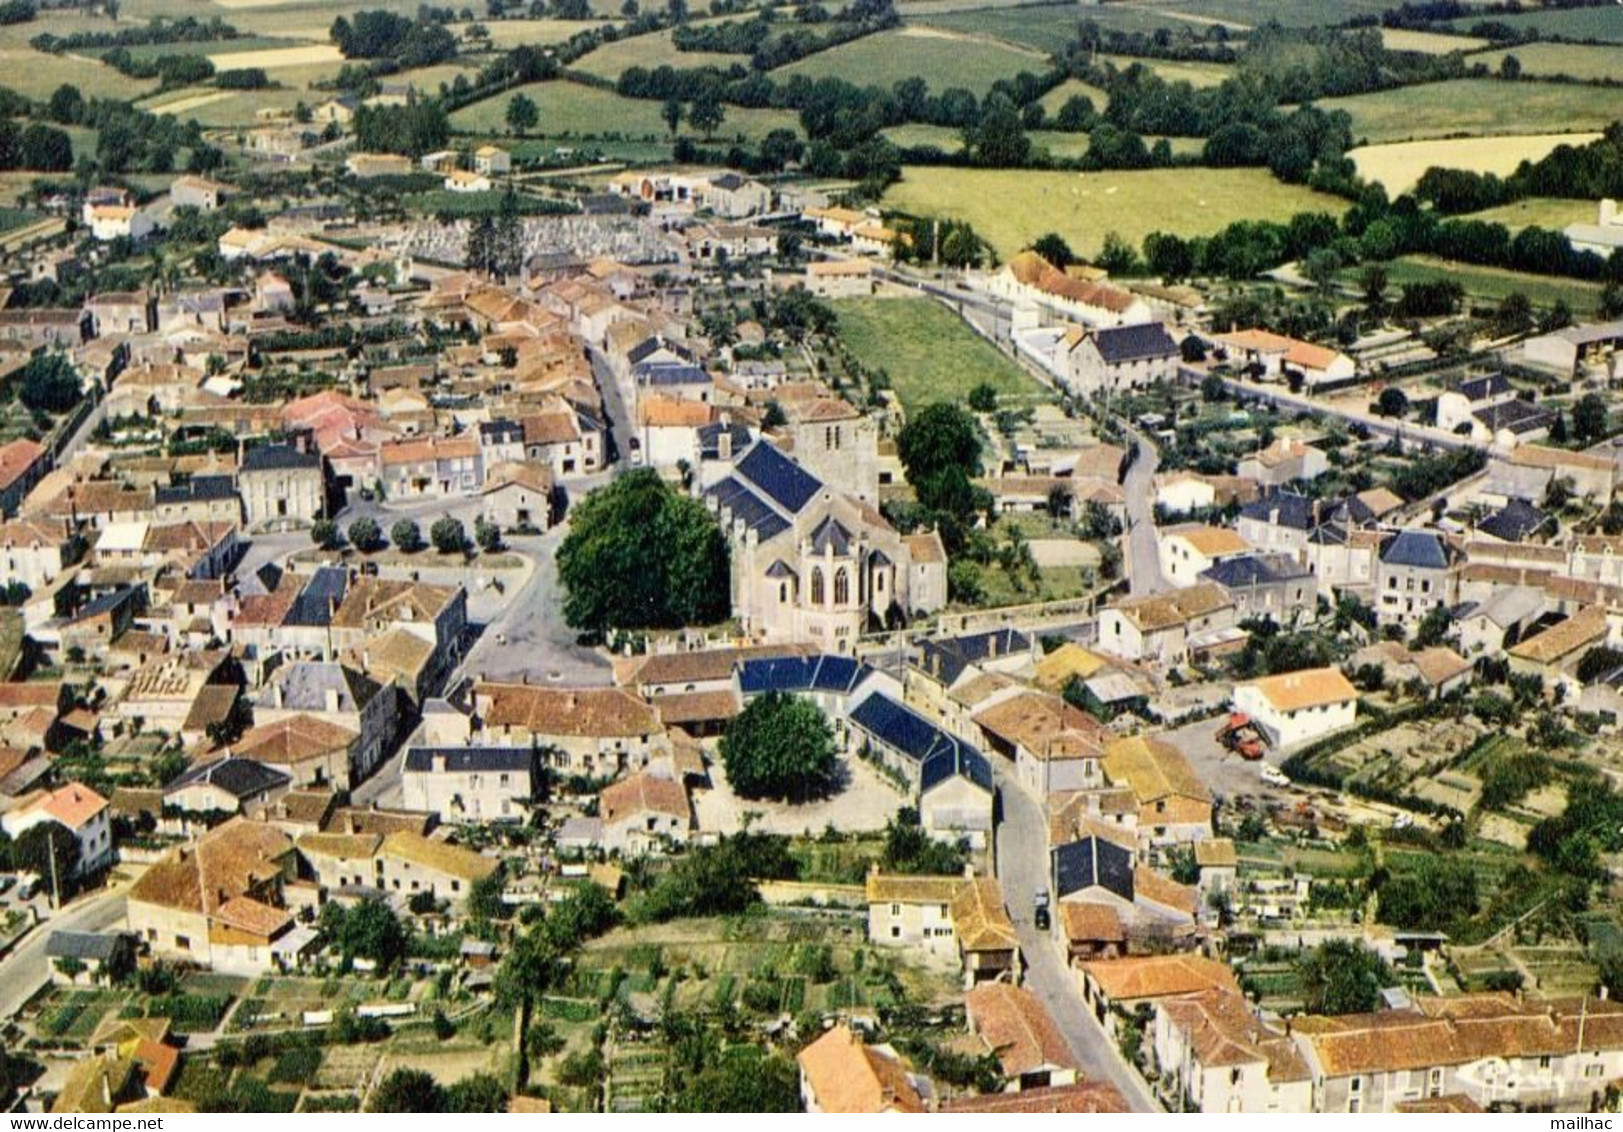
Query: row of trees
column 379, row 34
column 1586, row 172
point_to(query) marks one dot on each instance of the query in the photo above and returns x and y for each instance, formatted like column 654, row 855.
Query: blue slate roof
column 778, row 477
column 320, row 597
column 946, row 659
column 1422, row 549
column 959, row 761
column 501, row 432
column 104, row 603
column 1091, row 862
column 204, row 488
column 479, row 759
column 831, row 534
column 1515, row 416
column 84, row 945
column 1481, row 388
column 826, row 672
column 1295, row 511
column 669, row 373
column 1514, row 521
column 734, row 496
column 904, row 730
column 278, row 457
column 240, row 778
column 738, row 436
column 1253, row 570
column 1118, row 344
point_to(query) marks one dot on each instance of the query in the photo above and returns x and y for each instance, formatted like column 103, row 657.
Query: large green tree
column 1342, row 977
column 407, row 1090
column 780, row 747
column 641, row 556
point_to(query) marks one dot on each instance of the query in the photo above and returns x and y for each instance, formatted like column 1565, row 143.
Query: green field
column 1603, row 23
column 1477, row 107
column 575, row 110
column 1250, row 13
column 1545, row 212
column 1428, row 42
column 37, row 75
column 1580, row 61
column 941, row 59
column 1057, row 97
column 1045, row 27
column 929, row 353
column 649, row 51
column 1490, row 284
column 1011, row 208
column 505, row 34
column 1176, row 71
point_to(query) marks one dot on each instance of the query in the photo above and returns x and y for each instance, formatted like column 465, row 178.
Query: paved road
column 25, row 969
column 1143, row 559
column 1409, row 431
column 1022, row 866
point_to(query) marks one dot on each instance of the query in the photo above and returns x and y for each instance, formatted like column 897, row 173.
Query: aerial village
column 687, row 639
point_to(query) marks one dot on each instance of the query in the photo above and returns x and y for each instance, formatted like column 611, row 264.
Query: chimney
column 331, row 698
column 439, row 762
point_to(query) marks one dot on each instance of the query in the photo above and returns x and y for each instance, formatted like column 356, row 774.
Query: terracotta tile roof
column 1223, row 1032
column 1304, row 355
column 1033, row 270
column 695, row 707
column 252, row 917
column 340, row 846
column 428, row 449
column 897, row 888
column 699, row 666
column 644, row 794
column 19, row 697
column 1018, row 1028
column 1311, row 687
column 925, row 547
column 234, row 857
column 440, row 856
column 72, row 805
column 1158, row 888
column 373, row 603
column 1582, row 629
column 848, row 1077
column 674, row 412
column 292, row 740
column 1538, row 456
column 1151, row 769
column 1045, row 726
column 158, row 1062
column 1088, row 922
column 980, row 920
column 1088, row 1097
column 1056, row 670
column 1152, row 612
column 592, row 712
column 16, row 459
column 1210, row 541
column 1158, row 976
column 1216, row 853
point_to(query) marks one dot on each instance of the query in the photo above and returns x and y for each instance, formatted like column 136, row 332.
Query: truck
column 1241, row 735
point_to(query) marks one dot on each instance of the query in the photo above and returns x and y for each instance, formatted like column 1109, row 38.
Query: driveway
column 1022, row 866
column 1225, row 774
column 866, row 803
